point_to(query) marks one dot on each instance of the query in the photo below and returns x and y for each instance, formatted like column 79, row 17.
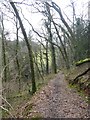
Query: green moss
column 4, row 113
column 36, row 118
column 82, row 61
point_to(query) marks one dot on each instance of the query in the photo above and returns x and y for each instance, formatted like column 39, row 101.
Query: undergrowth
column 81, row 86
column 19, row 99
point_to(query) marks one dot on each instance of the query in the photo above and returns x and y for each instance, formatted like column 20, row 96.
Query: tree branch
column 75, row 80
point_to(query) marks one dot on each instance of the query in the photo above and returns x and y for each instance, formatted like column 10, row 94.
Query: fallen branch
column 76, row 78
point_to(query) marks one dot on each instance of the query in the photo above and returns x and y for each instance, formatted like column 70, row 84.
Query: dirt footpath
column 57, row 100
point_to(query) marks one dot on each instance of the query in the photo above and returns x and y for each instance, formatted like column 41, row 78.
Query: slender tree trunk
column 54, row 69
column 37, row 69
column 57, row 8
column 41, row 60
column 53, row 59
column 73, row 40
column 88, row 53
column 47, row 60
column 17, row 60
column 64, row 49
column 48, row 26
column 29, row 48
column 4, row 52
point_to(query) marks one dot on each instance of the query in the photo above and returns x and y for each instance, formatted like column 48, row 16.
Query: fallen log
column 87, row 60
column 75, row 80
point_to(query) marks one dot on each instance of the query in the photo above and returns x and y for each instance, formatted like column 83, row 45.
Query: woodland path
column 57, row 100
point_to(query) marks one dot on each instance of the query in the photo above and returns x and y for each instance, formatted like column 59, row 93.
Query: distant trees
column 81, row 42
column 59, row 44
column 77, row 41
column 70, row 43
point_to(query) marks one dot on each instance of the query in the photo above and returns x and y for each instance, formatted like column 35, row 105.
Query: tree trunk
column 57, row 8
column 17, row 61
column 47, row 60
column 3, row 52
column 54, row 69
column 48, row 26
column 64, row 49
column 41, row 61
column 29, row 48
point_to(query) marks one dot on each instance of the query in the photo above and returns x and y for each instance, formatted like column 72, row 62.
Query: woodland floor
column 56, row 100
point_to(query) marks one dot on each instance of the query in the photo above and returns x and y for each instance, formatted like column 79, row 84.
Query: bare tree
column 50, row 38
column 4, row 51
column 28, row 46
column 63, row 47
column 17, row 49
